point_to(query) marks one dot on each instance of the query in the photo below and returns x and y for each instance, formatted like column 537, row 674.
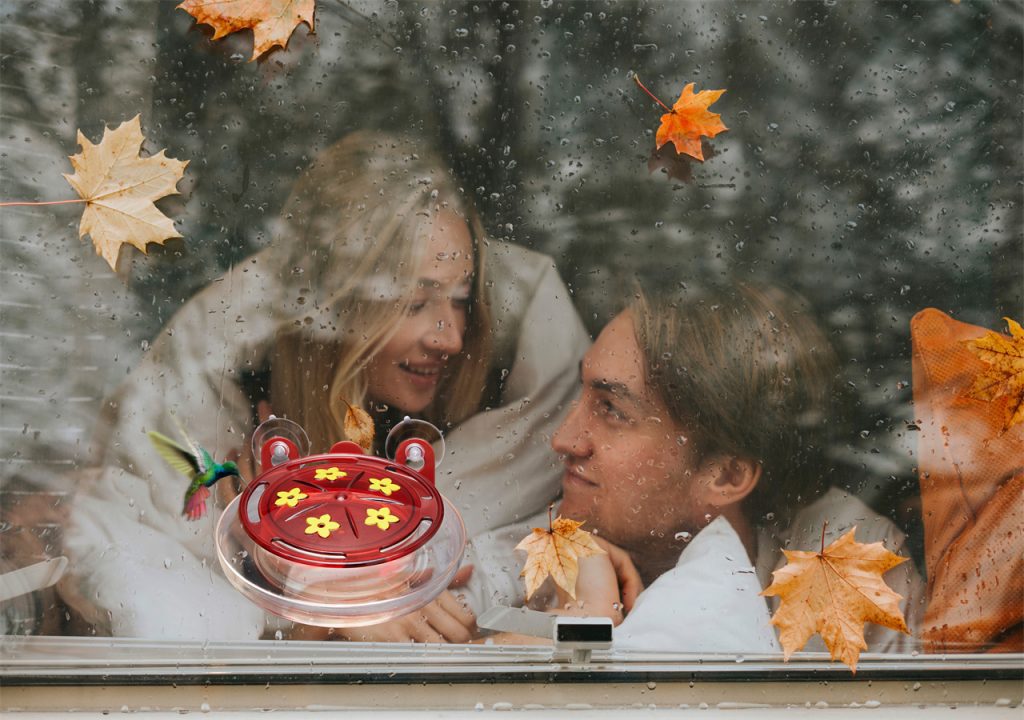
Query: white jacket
column 157, row 576
column 708, row 603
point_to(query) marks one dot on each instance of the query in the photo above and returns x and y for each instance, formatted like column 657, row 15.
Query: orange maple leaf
column 1004, row 374
column 834, row 592
column 689, row 120
column 120, row 187
column 271, row 21
column 556, row 552
column 359, row 427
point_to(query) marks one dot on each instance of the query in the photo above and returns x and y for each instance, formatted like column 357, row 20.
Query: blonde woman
column 374, row 294
column 389, row 261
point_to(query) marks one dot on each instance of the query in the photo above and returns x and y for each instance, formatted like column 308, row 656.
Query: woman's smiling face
column 405, row 374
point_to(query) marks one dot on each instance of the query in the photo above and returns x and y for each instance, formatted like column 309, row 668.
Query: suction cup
column 418, row 429
column 295, row 442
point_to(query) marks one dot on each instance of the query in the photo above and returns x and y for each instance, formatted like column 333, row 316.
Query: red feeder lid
column 343, row 509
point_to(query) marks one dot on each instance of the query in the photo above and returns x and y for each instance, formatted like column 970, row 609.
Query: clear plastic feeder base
column 339, row 597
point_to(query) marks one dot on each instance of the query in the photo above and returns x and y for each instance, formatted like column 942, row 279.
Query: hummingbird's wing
column 203, row 459
column 176, row 456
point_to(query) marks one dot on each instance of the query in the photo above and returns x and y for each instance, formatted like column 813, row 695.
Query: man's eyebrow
column 618, row 389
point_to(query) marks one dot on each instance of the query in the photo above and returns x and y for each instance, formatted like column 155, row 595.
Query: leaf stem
column 636, row 79
column 823, row 526
column 550, row 521
column 40, row 202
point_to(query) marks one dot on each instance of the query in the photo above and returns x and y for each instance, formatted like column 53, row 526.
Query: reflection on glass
column 329, row 255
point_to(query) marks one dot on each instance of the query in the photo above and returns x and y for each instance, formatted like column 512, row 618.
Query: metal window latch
column 574, row 636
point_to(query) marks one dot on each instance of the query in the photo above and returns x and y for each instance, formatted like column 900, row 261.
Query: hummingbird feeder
column 342, row 539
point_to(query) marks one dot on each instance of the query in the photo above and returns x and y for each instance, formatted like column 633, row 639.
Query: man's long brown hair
column 749, row 373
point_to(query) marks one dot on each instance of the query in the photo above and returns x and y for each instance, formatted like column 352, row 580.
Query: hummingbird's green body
column 196, row 464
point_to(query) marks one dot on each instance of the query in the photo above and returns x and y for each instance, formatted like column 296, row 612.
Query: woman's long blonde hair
column 356, row 226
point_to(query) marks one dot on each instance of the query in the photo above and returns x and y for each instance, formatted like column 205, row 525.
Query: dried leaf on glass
column 119, row 188
column 358, row 426
column 834, row 592
column 271, row 21
column 556, row 552
column 1003, row 376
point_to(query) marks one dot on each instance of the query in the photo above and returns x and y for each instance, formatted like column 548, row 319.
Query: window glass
column 716, row 279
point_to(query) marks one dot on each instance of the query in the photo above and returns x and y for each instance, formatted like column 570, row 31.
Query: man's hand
column 626, row 574
column 597, row 591
column 607, row 585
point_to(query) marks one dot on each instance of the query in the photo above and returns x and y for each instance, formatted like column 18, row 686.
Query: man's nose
column 571, row 437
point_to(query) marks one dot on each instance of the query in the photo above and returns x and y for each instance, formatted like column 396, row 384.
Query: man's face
column 629, row 468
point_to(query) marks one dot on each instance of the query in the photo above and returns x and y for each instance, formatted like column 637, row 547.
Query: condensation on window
column 754, row 337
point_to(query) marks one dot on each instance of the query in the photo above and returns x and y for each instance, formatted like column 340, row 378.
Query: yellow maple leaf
column 120, row 187
column 834, row 592
column 271, row 21
column 689, row 120
column 1004, row 373
column 358, row 426
column 556, row 552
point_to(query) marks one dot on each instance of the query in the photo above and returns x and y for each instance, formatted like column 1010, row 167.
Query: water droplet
column 167, row 563
column 651, row 684
column 461, row 32
column 864, row 433
column 278, row 635
column 950, row 106
column 546, row 3
column 684, row 536
column 769, row 516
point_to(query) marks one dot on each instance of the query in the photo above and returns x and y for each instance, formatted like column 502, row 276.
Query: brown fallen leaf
column 834, row 592
column 688, row 120
column 271, row 21
column 1004, row 374
column 359, row 427
column 556, row 552
column 120, row 187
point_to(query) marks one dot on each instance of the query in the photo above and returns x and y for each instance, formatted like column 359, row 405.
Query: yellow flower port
column 322, row 526
column 290, row 498
column 331, row 473
column 381, row 517
column 385, row 485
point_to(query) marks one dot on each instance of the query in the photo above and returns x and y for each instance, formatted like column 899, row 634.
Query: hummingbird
column 197, row 464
